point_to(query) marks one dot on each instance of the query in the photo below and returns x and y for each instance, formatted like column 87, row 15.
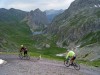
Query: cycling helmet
column 21, row 45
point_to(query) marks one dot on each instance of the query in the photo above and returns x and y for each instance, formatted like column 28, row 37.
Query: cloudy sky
column 28, row 5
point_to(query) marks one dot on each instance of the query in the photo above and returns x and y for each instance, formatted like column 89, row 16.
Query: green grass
column 14, row 34
column 49, row 52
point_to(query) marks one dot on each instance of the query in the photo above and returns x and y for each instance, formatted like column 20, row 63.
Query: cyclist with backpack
column 24, row 50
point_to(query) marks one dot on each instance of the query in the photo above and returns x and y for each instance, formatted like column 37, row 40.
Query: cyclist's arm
column 21, row 49
column 67, row 56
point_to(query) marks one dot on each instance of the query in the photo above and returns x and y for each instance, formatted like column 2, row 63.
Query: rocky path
column 15, row 66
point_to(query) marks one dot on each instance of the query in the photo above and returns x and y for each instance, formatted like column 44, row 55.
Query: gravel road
column 15, row 66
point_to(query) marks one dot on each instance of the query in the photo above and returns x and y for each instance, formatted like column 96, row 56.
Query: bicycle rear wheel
column 27, row 57
column 76, row 66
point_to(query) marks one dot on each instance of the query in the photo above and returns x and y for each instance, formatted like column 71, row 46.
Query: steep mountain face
column 78, row 21
column 79, row 25
column 77, row 6
column 37, row 20
column 52, row 13
column 17, row 27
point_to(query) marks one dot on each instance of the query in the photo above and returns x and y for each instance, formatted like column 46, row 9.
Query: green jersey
column 70, row 54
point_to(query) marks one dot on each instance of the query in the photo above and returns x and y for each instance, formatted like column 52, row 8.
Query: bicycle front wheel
column 76, row 66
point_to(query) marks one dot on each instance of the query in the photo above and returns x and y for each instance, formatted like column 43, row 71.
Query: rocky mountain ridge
column 81, row 18
column 34, row 18
column 78, row 25
column 37, row 20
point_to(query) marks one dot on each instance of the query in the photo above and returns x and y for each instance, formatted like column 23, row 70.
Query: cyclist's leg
column 25, row 53
column 72, row 59
column 67, row 59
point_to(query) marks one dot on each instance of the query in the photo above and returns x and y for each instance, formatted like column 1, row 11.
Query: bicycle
column 21, row 56
column 75, row 65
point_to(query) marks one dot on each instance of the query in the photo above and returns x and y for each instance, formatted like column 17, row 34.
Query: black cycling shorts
column 25, row 52
column 73, row 58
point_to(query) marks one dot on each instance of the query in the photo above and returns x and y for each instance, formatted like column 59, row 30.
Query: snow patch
column 60, row 55
column 95, row 6
column 2, row 61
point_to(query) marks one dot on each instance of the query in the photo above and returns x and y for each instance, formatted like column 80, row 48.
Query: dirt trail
column 15, row 66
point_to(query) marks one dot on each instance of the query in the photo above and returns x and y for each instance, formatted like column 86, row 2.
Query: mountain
column 17, row 27
column 14, row 31
column 79, row 24
column 81, row 18
column 12, row 15
column 52, row 13
column 37, row 20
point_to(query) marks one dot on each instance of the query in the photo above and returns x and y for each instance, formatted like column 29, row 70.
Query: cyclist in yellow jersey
column 70, row 55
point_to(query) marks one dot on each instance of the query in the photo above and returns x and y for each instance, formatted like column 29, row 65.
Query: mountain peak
column 37, row 10
column 86, row 3
column 11, row 9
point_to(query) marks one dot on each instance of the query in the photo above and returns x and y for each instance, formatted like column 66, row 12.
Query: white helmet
column 22, row 45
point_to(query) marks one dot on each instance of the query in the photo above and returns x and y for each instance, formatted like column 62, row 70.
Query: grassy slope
column 14, row 34
column 41, row 40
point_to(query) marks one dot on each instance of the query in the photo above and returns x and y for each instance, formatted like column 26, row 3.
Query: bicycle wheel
column 20, row 56
column 27, row 57
column 76, row 66
column 66, row 63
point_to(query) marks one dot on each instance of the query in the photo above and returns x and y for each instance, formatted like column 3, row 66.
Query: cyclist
column 70, row 55
column 23, row 49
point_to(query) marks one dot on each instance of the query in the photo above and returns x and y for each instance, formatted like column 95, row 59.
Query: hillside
column 79, row 24
column 13, row 35
column 13, row 32
column 16, row 30
column 37, row 20
column 15, row 23
column 11, row 15
column 80, row 20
